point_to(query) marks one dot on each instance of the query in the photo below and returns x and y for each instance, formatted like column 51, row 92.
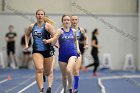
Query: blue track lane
column 21, row 79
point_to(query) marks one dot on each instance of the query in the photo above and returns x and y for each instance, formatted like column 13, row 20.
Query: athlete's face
column 74, row 20
column 40, row 16
column 66, row 21
column 11, row 29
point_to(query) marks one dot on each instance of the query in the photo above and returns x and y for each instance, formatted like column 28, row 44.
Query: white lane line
column 101, row 86
column 3, row 81
column 20, row 84
column 58, row 88
column 62, row 91
column 119, row 77
column 30, row 85
column 10, row 89
column 114, row 77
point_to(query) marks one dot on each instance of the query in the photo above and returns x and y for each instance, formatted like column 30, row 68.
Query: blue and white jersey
column 38, row 34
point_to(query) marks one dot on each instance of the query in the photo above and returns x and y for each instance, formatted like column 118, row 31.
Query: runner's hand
column 45, row 41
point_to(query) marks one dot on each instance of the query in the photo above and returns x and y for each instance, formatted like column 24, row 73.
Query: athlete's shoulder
column 60, row 28
column 7, row 34
column 59, row 31
column 74, row 30
column 82, row 29
column 48, row 26
column 31, row 25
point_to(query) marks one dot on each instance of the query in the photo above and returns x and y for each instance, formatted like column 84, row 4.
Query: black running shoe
column 70, row 90
column 44, row 78
column 48, row 90
column 42, row 90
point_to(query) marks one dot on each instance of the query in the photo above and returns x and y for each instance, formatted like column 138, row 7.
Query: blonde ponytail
column 48, row 20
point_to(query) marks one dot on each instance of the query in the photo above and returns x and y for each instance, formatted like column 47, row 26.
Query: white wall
column 111, row 40
column 107, row 6
column 0, row 5
column 139, row 38
column 64, row 6
column 50, row 6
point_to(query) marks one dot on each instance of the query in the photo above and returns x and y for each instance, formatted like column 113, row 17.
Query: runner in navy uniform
column 68, row 51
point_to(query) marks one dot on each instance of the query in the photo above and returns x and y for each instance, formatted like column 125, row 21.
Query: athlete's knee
column 68, row 71
column 64, row 77
column 76, row 72
column 48, row 73
column 39, row 70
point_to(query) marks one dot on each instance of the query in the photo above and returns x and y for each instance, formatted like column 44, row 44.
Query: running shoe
column 95, row 74
column 48, row 90
column 75, row 91
column 70, row 91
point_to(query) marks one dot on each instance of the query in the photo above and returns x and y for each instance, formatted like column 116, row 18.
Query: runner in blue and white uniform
column 42, row 52
column 83, row 44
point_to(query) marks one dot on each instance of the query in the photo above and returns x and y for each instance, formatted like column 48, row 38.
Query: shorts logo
column 51, row 53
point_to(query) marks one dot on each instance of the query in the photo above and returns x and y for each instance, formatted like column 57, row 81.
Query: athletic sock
column 76, row 82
